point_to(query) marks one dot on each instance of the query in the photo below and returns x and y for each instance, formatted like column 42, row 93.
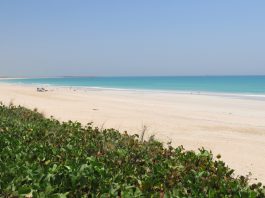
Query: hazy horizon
column 122, row 38
column 115, row 76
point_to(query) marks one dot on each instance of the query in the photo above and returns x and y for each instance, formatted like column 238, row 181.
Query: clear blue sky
column 137, row 37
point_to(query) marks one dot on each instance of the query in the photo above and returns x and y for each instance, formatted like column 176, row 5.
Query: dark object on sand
column 41, row 89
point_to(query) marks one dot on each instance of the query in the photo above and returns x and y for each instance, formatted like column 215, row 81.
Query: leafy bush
column 42, row 157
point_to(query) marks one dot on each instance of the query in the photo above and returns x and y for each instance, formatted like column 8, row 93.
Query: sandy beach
column 232, row 127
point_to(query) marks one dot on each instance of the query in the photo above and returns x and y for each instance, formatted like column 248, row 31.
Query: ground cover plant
column 42, row 157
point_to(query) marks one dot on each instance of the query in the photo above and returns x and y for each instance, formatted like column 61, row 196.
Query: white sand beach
column 232, row 127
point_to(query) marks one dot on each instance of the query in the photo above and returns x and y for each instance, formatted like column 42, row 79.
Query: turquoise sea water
column 205, row 84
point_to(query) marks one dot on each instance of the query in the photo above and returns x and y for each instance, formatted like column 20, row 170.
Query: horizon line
column 118, row 76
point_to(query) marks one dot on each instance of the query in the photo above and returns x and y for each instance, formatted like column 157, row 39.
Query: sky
column 132, row 38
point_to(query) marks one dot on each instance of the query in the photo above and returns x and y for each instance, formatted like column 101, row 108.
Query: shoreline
column 248, row 96
column 232, row 127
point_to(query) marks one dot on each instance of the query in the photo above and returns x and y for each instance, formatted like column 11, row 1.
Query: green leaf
column 24, row 190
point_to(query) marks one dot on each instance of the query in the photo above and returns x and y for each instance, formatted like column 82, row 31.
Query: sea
column 222, row 85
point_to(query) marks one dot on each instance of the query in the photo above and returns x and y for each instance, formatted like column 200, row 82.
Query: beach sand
column 232, row 127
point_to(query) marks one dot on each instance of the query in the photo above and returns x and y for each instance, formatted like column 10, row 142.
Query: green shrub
column 42, row 157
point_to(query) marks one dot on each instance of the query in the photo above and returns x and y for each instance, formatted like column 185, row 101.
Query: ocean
column 245, row 85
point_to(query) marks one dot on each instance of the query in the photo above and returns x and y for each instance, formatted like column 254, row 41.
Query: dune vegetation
column 42, row 157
